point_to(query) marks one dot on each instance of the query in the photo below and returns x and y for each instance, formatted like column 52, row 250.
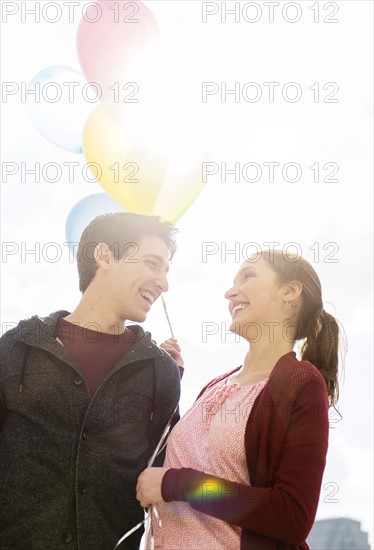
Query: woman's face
column 255, row 299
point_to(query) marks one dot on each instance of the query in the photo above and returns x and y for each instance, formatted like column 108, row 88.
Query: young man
column 84, row 399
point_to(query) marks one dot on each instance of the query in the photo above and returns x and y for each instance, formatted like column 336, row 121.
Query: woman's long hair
column 319, row 328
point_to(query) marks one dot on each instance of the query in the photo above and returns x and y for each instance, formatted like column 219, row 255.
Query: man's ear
column 103, row 256
column 293, row 291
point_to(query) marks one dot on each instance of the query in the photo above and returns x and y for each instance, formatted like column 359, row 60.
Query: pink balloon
column 110, row 36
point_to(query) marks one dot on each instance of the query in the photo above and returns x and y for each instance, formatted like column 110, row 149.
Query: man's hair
column 119, row 231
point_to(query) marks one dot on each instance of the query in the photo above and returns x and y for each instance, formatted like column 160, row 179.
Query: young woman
column 244, row 465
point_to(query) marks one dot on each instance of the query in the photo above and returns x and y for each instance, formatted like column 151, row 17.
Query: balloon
column 84, row 212
column 110, row 37
column 58, row 106
column 150, row 164
column 128, row 169
column 182, row 185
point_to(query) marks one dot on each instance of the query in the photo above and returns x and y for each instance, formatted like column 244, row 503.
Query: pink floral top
column 209, row 438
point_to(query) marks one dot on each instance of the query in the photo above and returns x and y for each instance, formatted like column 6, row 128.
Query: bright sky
column 326, row 53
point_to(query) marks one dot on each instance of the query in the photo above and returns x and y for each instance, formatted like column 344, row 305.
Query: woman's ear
column 103, row 256
column 293, row 291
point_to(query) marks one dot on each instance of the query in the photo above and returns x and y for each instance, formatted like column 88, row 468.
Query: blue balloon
column 84, row 212
column 58, row 104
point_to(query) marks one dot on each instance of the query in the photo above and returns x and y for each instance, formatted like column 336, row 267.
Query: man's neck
column 100, row 324
column 94, row 313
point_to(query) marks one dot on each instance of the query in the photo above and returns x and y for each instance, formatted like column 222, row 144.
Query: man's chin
column 138, row 317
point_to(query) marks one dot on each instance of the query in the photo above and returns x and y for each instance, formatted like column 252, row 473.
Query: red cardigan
column 286, row 442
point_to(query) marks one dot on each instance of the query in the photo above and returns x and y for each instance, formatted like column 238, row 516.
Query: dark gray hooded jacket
column 69, row 464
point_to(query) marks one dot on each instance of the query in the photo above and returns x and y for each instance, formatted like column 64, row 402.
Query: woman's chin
column 235, row 327
column 248, row 330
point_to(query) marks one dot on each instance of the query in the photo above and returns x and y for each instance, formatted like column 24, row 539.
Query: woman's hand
column 172, row 347
column 148, row 487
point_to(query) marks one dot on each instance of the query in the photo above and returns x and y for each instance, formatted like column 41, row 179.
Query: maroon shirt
column 95, row 352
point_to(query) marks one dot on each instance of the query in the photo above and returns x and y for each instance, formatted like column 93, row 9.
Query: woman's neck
column 262, row 356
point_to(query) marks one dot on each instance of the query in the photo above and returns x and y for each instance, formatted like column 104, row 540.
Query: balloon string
column 167, row 316
column 148, row 532
column 147, row 522
column 131, row 532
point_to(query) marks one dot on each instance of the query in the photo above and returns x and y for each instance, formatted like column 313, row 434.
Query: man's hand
column 172, row 347
column 148, row 488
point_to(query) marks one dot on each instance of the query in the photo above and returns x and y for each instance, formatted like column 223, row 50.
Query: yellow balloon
column 182, row 185
column 144, row 164
column 124, row 165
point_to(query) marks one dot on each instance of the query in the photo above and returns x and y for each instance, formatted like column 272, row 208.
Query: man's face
column 135, row 281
